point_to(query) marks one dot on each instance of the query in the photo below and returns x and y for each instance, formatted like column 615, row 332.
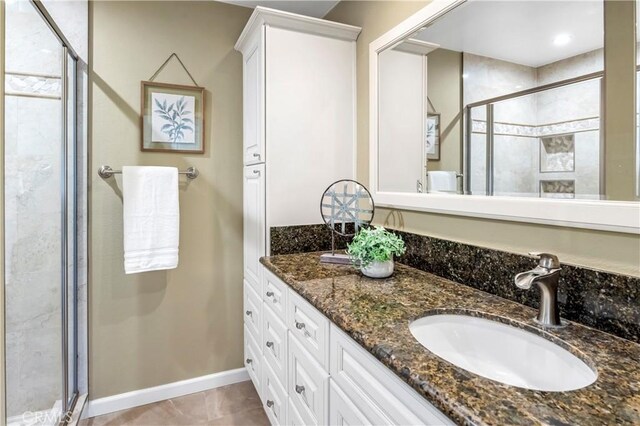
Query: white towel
column 442, row 181
column 151, row 217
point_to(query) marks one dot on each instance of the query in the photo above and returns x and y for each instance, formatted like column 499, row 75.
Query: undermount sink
column 502, row 353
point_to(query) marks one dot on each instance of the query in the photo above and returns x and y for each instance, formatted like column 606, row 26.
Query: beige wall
column 620, row 100
column 158, row 327
column 609, row 251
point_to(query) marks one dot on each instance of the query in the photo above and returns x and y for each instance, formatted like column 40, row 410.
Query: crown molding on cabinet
column 277, row 18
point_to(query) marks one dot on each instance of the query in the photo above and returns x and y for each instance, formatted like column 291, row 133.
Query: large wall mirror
column 518, row 110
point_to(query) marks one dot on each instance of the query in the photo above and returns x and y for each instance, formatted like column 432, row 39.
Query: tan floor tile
column 253, row 417
column 227, row 400
column 236, row 404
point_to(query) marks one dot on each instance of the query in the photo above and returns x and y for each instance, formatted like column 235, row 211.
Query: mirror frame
column 617, row 216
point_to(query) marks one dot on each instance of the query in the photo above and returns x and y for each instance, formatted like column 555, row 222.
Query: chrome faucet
column 546, row 275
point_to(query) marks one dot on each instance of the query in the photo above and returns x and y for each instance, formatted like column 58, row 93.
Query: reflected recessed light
column 518, row 87
column 465, row 75
column 562, row 39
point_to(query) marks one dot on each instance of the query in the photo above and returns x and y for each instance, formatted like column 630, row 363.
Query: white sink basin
column 502, row 353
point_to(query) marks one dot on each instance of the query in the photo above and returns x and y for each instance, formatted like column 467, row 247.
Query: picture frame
column 172, row 118
column 432, row 136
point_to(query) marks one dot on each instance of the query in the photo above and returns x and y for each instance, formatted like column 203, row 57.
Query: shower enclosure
column 545, row 142
column 44, row 240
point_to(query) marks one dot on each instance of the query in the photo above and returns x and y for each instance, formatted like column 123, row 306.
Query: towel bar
column 105, row 172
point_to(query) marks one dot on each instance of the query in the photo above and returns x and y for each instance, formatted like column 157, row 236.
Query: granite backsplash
column 602, row 300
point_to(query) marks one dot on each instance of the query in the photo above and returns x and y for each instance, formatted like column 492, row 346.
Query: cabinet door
column 253, row 103
column 342, row 411
column 307, row 384
column 254, row 224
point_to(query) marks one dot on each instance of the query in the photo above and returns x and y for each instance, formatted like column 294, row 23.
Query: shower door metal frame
column 68, row 53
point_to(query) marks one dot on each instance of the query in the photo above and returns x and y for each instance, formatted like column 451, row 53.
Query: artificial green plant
column 374, row 244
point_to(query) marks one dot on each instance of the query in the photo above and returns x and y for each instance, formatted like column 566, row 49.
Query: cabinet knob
column 248, row 360
column 269, row 294
column 299, row 389
column 270, row 344
column 299, row 325
column 248, row 313
column 269, row 403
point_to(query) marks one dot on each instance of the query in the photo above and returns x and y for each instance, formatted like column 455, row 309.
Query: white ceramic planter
column 378, row 269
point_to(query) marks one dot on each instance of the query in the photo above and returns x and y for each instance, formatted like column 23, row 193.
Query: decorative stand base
column 342, row 259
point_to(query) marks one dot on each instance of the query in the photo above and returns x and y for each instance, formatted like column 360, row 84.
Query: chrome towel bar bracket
column 105, row 172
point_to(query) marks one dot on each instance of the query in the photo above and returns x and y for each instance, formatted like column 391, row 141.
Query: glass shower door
column 40, row 216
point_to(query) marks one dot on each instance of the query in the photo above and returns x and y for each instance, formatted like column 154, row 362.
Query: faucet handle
column 547, row 260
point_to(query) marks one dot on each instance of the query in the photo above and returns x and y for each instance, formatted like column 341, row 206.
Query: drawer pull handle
column 249, row 313
column 269, row 403
column 270, row 344
column 256, row 172
column 299, row 325
column 256, row 155
column 249, row 360
column 269, row 294
column 299, row 389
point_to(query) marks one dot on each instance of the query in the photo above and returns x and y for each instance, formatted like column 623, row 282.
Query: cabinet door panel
column 274, row 346
column 253, row 360
column 308, row 384
column 252, row 312
column 254, row 224
column 309, row 326
column 253, row 101
column 274, row 294
column 275, row 398
column 342, row 411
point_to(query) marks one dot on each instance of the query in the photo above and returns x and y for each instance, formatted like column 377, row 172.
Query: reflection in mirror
column 500, row 98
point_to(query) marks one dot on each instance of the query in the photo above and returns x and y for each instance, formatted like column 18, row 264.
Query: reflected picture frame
column 432, row 136
column 172, row 118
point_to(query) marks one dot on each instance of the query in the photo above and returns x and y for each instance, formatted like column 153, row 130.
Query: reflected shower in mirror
column 507, row 99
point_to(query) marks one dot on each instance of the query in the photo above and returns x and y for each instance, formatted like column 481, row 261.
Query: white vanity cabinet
column 329, row 378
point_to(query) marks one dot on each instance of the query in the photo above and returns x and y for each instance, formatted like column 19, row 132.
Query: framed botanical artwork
column 172, row 118
column 432, row 138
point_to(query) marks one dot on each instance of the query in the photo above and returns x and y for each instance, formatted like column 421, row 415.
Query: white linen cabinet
column 299, row 136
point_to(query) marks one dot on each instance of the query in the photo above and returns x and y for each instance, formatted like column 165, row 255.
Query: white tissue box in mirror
column 494, row 130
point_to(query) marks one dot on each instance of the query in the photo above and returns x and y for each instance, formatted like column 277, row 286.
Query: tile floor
column 237, row 405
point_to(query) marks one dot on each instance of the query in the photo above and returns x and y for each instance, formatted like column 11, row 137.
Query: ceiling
column 315, row 8
column 522, row 32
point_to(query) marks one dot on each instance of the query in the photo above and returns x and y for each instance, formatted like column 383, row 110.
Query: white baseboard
column 136, row 398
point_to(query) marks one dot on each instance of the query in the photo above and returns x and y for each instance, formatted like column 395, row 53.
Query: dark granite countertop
column 376, row 313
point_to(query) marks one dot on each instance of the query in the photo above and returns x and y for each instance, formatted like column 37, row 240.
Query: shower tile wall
column 521, row 123
column 33, row 215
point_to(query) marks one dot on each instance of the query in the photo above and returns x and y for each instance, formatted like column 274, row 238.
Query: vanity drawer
column 253, row 360
column 274, row 294
column 308, row 385
column 252, row 311
column 274, row 344
column 374, row 389
column 275, row 399
column 309, row 326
